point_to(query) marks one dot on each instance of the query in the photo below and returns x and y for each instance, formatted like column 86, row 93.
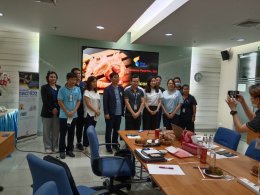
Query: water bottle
column 210, row 143
column 212, row 158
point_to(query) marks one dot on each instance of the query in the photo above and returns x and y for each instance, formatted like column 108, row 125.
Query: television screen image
column 100, row 62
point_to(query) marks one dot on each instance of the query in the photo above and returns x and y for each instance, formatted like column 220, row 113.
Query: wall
column 60, row 54
column 228, row 80
column 19, row 51
column 206, row 91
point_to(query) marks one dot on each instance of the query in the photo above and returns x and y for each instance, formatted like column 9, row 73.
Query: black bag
column 130, row 159
column 56, row 161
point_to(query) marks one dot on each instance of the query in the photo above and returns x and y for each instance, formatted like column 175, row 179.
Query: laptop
column 177, row 131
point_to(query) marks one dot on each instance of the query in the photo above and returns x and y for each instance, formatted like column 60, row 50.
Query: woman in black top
column 254, row 118
column 188, row 109
column 50, row 113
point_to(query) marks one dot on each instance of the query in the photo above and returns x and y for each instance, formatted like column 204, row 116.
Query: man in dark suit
column 113, row 110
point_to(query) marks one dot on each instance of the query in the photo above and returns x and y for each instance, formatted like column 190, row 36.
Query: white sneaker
column 48, row 151
column 86, row 151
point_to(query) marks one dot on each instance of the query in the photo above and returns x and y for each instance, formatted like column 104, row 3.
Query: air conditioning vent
column 248, row 23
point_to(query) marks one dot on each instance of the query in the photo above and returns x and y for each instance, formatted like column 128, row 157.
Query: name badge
column 183, row 110
column 135, row 107
column 257, row 144
column 71, row 98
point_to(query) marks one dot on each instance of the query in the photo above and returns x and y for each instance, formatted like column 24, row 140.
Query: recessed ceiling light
column 100, row 27
column 37, row 1
column 1, row 14
column 241, row 39
column 168, row 34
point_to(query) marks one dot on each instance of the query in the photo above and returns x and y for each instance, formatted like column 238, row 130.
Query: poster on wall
column 100, row 62
column 28, row 104
column 8, row 87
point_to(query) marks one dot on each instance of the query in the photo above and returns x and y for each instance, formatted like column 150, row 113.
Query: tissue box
column 190, row 147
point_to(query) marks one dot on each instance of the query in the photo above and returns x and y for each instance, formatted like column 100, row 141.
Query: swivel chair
column 48, row 188
column 113, row 167
column 252, row 151
column 43, row 171
column 227, row 137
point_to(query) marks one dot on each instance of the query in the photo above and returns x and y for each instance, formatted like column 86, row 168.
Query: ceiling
column 198, row 23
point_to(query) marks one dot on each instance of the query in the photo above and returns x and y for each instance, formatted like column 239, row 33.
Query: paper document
column 164, row 169
column 133, row 137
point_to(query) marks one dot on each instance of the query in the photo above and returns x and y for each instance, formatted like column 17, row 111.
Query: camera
column 233, row 94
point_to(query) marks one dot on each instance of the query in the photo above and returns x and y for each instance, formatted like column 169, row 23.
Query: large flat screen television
column 101, row 62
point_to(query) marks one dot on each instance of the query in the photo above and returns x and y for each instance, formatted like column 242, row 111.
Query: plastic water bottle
column 210, row 143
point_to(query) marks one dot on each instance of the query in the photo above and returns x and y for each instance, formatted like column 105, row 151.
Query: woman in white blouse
column 152, row 104
column 91, row 106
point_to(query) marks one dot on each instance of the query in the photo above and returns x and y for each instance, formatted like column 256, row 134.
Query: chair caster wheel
column 128, row 187
column 106, row 183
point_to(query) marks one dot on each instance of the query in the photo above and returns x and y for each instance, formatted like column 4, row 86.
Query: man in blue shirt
column 69, row 98
column 113, row 110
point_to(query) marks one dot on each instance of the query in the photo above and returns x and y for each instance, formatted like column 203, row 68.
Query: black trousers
column 89, row 120
column 168, row 121
column 64, row 128
column 112, row 124
column 150, row 121
column 159, row 118
column 132, row 123
column 79, row 127
column 188, row 124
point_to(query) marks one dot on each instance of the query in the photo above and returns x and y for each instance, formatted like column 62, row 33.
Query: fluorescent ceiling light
column 157, row 12
column 168, row 34
column 100, row 27
column 1, row 14
column 241, row 39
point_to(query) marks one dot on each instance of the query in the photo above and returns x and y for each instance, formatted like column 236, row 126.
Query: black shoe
column 1, row 188
column 70, row 154
column 80, row 146
column 62, row 155
column 110, row 151
column 116, row 148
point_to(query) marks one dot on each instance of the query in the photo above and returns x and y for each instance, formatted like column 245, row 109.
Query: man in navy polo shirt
column 134, row 101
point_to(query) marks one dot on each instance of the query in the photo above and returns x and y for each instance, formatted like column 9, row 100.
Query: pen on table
column 201, row 172
column 162, row 167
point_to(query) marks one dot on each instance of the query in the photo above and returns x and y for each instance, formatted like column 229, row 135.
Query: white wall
column 228, row 80
column 19, row 51
column 206, row 91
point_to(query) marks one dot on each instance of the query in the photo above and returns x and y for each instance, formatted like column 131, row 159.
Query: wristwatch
column 233, row 112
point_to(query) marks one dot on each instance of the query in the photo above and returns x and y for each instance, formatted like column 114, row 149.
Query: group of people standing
column 77, row 105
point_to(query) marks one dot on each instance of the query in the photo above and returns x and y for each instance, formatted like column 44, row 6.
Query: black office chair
column 113, row 167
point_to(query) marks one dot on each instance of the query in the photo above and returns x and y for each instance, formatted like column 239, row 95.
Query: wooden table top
column 193, row 182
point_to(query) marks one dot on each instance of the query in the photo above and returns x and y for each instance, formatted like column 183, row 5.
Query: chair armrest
column 100, row 192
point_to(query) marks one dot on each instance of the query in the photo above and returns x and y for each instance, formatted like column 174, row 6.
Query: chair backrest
column 253, row 152
column 227, row 137
column 43, row 171
column 93, row 142
column 49, row 188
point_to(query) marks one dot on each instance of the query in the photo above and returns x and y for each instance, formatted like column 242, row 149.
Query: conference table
column 193, row 182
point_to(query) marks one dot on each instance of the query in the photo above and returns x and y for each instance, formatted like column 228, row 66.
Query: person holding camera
column 254, row 118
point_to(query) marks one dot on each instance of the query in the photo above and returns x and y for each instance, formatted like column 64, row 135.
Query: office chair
column 253, row 152
column 43, row 171
column 113, row 167
column 227, row 137
column 47, row 188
